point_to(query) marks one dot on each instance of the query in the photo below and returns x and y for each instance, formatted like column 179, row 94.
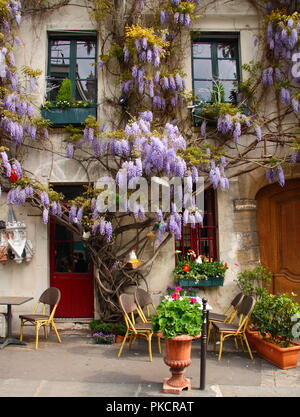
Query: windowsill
column 72, row 115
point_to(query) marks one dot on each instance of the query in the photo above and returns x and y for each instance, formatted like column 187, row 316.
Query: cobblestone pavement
column 79, row 368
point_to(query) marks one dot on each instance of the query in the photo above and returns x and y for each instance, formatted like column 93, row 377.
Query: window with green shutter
column 215, row 66
column 72, row 55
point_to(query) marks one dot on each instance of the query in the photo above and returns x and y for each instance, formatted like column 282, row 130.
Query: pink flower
column 178, row 289
column 193, row 300
column 175, row 296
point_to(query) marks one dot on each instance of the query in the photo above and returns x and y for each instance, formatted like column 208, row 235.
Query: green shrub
column 273, row 317
column 98, row 326
column 64, row 93
column 251, row 282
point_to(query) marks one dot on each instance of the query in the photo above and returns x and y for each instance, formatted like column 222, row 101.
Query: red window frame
column 202, row 239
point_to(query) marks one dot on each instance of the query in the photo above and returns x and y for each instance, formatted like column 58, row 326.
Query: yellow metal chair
column 238, row 330
column 228, row 315
column 49, row 297
column 135, row 329
column 144, row 302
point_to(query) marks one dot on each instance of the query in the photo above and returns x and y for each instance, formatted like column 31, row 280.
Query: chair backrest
column 244, row 311
column 127, row 303
column 142, row 297
column 237, row 300
column 247, row 305
column 50, row 296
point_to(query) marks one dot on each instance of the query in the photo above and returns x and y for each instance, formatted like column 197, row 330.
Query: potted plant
column 103, row 339
column 65, row 110
column 179, row 322
column 117, row 329
column 274, row 319
column 191, row 272
column 253, row 282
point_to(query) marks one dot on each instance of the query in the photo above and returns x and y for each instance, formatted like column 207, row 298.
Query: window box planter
column 210, row 282
column 68, row 116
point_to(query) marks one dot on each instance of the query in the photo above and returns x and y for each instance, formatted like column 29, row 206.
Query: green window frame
column 210, row 64
column 70, row 55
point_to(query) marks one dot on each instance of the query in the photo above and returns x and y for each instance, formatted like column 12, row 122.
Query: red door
column 71, row 272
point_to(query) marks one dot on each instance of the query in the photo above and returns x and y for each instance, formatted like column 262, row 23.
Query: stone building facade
column 236, row 209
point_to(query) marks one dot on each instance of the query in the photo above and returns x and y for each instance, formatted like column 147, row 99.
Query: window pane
column 226, row 51
column 85, row 90
column 86, row 49
column 230, row 90
column 61, row 233
column 59, row 66
column 202, row 50
column 53, row 87
column 80, row 258
column 84, row 69
column 63, row 257
column 227, row 69
column 203, row 90
column 202, row 68
column 60, row 49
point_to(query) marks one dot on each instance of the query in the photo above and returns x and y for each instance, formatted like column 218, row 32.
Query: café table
column 9, row 301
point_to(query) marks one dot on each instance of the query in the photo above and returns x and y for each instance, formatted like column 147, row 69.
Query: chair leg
column 45, row 331
column 248, row 347
column 149, row 346
column 123, row 344
column 21, row 331
column 36, row 335
column 221, row 346
column 56, row 332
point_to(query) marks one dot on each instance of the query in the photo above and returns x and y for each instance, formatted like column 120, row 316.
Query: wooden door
column 278, row 220
column 71, row 272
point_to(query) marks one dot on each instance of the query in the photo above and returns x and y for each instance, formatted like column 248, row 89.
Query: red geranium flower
column 178, row 289
column 13, row 176
column 175, row 296
column 186, row 268
column 193, row 300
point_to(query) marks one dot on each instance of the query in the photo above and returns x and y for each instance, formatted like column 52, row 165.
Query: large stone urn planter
column 178, row 357
column 284, row 358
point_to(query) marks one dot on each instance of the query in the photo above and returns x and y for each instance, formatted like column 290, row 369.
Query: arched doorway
column 278, row 222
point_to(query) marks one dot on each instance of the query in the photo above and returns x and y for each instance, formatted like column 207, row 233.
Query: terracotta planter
column 119, row 339
column 284, row 358
column 178, row 357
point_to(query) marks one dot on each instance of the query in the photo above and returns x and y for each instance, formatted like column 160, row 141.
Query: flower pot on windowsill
column 210, row 282
column 71, row 115
column 284, row 358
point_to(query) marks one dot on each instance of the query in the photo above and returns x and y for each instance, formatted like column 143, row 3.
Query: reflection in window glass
column 230, row 90
column 85, row 69
column 201, row 50
column 203, row 90
column 202, row 68
column 227, row 69
column 226, row 51
column 86, row 49
column 60, row 49
column 85, row 90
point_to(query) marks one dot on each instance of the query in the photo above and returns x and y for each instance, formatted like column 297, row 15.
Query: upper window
column 73, row 56
column 215, row 67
